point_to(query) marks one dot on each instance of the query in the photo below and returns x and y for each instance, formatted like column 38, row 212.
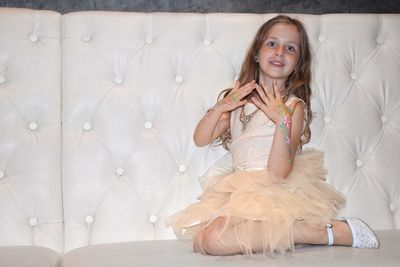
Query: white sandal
column 363, row 235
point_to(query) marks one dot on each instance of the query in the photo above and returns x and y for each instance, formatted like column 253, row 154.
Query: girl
column 277, row 196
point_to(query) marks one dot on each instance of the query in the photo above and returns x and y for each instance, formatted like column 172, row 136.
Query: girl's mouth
column 277, row 63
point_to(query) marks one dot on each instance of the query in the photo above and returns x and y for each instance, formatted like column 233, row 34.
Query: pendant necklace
column 245, row 119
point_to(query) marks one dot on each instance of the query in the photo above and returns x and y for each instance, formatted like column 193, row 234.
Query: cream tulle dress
column 252, row 195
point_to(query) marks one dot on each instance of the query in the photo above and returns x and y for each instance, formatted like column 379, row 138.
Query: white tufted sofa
column 97, row 111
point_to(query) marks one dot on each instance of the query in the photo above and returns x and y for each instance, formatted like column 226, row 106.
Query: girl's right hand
column 235, row 97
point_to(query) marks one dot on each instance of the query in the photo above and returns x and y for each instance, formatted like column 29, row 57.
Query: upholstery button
column 118, row 79
column 32, row 221
column 327, row 119
column 182, row 168
column 153, row 219
column 392, row 207
column 87, row 126
column 33, row 37
column 2, row 174
column 179, row 79
column 85, row 37
column 119, row 171
column 33, row 125
column 89, row 219
column 353, row 76
column 149, row 40
column 321, row 38
column 384, row 119
column 379, row 40
column 207, row 42
column 359, row 163
column 2, row 79
column 148, row 125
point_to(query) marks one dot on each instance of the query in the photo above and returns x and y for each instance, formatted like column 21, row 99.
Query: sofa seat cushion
column 28, row 256
column 179, row 253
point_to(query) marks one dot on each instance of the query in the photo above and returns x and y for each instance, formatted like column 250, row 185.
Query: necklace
column 245, row 119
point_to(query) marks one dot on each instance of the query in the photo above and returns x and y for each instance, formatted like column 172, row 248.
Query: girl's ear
column 256, row 58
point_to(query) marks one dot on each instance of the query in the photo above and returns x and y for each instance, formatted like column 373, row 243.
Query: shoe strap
column 330, row 233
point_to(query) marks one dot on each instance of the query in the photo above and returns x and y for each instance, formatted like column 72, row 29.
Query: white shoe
column 363, row 235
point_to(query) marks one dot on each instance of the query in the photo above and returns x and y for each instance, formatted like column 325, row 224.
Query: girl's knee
column 212, row 242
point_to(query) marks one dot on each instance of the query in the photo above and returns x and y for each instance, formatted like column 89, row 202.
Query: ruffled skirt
column 275, row 206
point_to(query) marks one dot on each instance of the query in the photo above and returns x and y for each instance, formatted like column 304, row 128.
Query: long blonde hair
column 298, row 82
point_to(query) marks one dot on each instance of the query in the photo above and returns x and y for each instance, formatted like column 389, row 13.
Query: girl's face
column 280, row 52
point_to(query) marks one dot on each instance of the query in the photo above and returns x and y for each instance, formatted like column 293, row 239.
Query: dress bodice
column 250, row 147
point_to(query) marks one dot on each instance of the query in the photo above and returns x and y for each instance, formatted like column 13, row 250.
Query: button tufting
column 321, row 38
column 85, row 37
column 119, row 171
column 2, row 79
column 327, row 119
column 207, row 42
column 33, row 37
column 149, row 40
column 119, row 80
column 353, row 76
column 392, row 207
column 87, row 126
column 379, row 40
column 32, row 221
column 179, row 79
column 148, row 125
column 384, row 119
column 153, row 219
column 2, row 174
column 33, row 125
column 359, row 163
column 182, row 168
column 89, row 219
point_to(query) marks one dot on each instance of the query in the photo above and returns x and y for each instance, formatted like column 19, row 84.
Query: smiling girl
column 277, row 195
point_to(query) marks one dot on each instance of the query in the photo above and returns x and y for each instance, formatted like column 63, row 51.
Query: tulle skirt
column 260, row 200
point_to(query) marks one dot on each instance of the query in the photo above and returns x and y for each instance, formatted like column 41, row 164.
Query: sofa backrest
column 30, row 128
column 134, row 86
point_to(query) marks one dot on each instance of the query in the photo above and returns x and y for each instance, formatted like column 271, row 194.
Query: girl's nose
column 279, row 51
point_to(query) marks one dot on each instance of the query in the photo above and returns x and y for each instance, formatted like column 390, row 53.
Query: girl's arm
column 217, row 120
column 286, row 141
column 289, row 126
column 211, row 126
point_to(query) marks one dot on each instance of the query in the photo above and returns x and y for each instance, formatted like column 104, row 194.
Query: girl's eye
column 291, row 49
column 271, row 44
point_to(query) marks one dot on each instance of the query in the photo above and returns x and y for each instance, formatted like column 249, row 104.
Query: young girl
column 277, row 196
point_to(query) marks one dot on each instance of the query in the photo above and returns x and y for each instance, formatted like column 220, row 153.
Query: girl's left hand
column 271, row 104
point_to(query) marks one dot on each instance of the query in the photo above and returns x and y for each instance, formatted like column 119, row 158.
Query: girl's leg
column 211, row 241
column 341, row 234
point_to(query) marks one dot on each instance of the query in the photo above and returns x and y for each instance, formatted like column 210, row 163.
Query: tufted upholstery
column 134, row 86
column 30, row 128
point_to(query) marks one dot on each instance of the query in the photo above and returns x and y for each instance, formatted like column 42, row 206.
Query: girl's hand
column 235, row 97
column 271, row 103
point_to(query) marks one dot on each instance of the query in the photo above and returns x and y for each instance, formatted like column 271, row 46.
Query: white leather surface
column 142, row 81
column 134, row 86
column 28, row 256
column 180, row 254
column 30, row 128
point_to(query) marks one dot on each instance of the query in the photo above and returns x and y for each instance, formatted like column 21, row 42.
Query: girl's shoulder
column 292, row 99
